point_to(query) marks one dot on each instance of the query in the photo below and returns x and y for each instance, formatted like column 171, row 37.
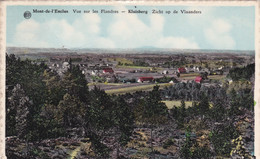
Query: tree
column 203, row 105
column 74, row 83
column 13, row 72
column 191, row 148
column 234, row 103
column 218, row 112
column 71, row 111
column 178, row 74
column 100, row 149
column 221, row 136
column 21, row 103
column 53, row 84
column 182, row 114
column 10, row 114
column 50, row 122
column 204, row 75
column 29, row 76
column 123, row 120
column 242, row 73
column 186, row 148
column 49, row 112
column 151, row 110
column 99, row 119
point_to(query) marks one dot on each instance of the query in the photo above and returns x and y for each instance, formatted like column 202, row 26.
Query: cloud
column 123, row 31
column 88, row 24
column 218, row 34
column 129, row 31
column 83, row 32
column 157, row 22
column 216, row 30
column 64, row 33
column 27, row 34
column 30, row 33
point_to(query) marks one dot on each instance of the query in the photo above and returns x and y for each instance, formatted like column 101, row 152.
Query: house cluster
column 145, row 79
column 59, row 67
column 198, row 79
column 87, row 69
column 191, row 69
column 217, row 71
column 98, row 73
column 104, row 70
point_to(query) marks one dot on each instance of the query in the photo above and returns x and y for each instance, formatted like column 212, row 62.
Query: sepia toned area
column 167, row 96
column 108, row 105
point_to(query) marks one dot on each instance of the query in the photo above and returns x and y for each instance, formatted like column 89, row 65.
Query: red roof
column 110, row 70
column 146, row 78
column 198, row 79
column 181, row 70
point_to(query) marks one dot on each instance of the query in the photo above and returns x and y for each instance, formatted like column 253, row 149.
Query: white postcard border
column 5, row 3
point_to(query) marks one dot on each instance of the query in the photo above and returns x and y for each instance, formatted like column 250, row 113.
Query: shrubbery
column 242, row 73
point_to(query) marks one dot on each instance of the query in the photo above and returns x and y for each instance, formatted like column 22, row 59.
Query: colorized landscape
column 128, row 81
column 70, row 103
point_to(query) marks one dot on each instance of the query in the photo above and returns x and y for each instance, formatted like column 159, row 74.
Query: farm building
column 108, row 70
column 145, row 79
column 198, row 79
column 65, row 65
column 181, row 70
column 196, row 68
column 165, row 72
column 95, row 72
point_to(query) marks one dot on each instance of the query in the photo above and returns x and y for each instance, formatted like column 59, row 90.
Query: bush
column 201, row 152
column 168, row 143
column 165, row 79
column 242, row 73
column 221, row 139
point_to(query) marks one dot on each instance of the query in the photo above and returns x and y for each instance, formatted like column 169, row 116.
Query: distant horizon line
column 140, row 48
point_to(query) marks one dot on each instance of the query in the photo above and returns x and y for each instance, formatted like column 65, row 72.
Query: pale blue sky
column 229, row 28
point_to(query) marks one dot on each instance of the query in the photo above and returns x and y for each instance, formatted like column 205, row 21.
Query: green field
column 121, row 59
column 177, row 103
column 135, row 88
column 192, row 76
column 109, row 84
column 189, row 75
column 216, row 77
column 140, row 67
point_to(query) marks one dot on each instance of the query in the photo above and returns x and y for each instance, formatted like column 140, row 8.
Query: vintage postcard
column 137, row 80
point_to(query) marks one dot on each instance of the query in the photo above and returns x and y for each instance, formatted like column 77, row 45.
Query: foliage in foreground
column 42, row 105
